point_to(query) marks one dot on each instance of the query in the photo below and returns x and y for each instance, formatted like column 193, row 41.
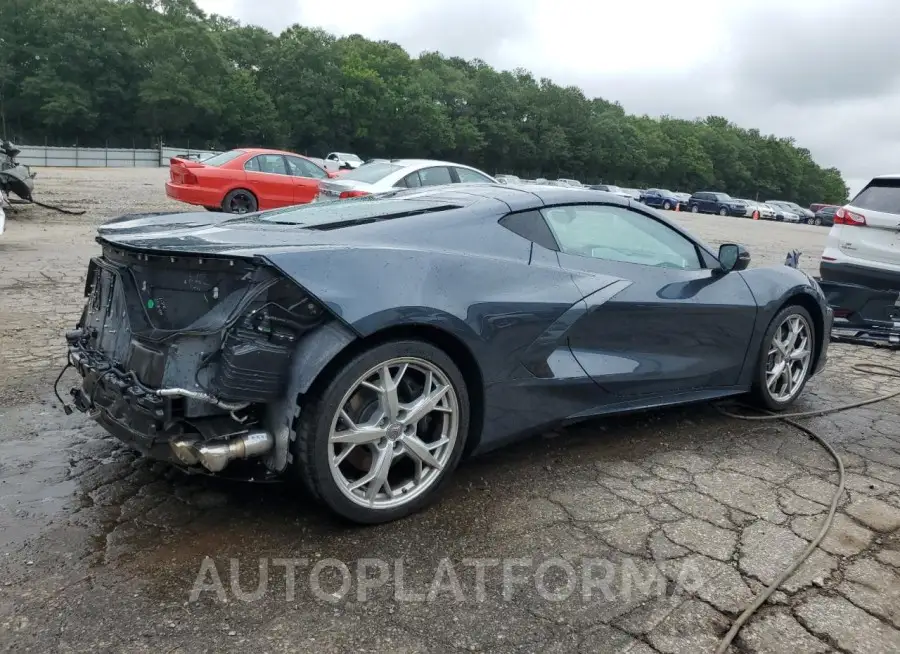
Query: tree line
column 95, row 72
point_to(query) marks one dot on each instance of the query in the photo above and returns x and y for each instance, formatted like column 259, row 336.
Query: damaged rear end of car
column 187, row 356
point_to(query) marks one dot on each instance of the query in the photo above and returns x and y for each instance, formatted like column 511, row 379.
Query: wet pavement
column 638, row 534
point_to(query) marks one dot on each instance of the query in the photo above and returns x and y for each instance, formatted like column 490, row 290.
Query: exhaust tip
column 185, row 451
column 215, row 455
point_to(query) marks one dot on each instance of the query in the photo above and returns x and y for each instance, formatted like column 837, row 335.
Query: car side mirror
column 733, row 257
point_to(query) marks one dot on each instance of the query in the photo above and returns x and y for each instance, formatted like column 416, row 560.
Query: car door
column 305, row 176
column 680, row 325
column 703, row 202
column 268, row 178
column 435, row 176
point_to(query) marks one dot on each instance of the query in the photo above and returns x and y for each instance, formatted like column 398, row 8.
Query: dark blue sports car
column 365, row 346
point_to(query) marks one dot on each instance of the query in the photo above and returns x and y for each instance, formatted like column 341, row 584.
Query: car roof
column 425, row 162
column 269, row 151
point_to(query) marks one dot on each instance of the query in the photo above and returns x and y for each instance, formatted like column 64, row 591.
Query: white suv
column 863, row 246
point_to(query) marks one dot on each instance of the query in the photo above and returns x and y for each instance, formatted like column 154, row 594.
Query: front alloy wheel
column 786, row 359
column 387, row 432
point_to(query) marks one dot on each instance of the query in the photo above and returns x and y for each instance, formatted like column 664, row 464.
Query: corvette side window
column 530, row 225
column 620, row 234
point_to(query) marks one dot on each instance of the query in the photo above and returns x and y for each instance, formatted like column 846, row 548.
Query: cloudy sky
column 823, row 71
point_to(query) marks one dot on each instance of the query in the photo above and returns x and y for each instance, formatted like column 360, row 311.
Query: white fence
column 42, row 155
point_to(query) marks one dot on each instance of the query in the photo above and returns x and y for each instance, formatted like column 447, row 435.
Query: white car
column 765, row 211
column 570, row 182
column 611, row 188
column 383, row 177
column 342, row 161
column 790, row 216
column 863, row 245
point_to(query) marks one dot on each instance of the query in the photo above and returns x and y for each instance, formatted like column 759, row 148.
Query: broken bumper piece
column 864, row 315
column 149, row 419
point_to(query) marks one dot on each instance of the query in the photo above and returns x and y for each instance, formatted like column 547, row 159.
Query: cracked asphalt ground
column 638, row 534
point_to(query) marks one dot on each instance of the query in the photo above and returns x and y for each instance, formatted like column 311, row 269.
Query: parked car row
column 253, row 179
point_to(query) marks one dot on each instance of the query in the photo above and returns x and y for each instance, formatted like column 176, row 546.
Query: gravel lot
column 684, row 514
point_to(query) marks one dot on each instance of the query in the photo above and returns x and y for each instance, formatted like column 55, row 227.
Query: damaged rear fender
column 313, row 354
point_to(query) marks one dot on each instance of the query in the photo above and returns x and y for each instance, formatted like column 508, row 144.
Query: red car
column 245, row 180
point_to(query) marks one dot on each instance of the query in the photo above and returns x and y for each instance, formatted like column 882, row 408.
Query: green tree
column 123, row 71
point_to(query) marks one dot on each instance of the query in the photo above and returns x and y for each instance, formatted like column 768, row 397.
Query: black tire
column 760, row 392
column 817, row 221
column 667, row 206
column 311, row 429
column 240, row 201
column 214, row 209
column 723, row 211
column 695, row 208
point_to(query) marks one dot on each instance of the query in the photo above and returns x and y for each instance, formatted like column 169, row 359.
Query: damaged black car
column 366, row 346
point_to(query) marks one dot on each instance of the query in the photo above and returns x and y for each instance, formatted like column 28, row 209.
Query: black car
column 714, row 202
column 365, row 346
column 825, row 216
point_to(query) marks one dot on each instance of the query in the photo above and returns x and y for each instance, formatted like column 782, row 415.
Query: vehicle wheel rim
column 787, row 362
column 667, row 206
column 393, row 433
column 694, row 209
column 818, row 221
column 721, row 212
column 240, row 203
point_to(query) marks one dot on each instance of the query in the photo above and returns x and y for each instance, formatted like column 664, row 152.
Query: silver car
column 803, row 215
column 382, row 177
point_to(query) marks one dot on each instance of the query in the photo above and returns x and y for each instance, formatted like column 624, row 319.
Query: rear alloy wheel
column 383, row 436
column 723, row 211
column 667, row 206
column 817, row 221
column 785, row 359
column 240, row 201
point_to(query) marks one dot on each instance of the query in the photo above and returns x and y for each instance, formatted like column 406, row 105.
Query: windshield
column 348, row 157
column 222, row 159
column 372, row 172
